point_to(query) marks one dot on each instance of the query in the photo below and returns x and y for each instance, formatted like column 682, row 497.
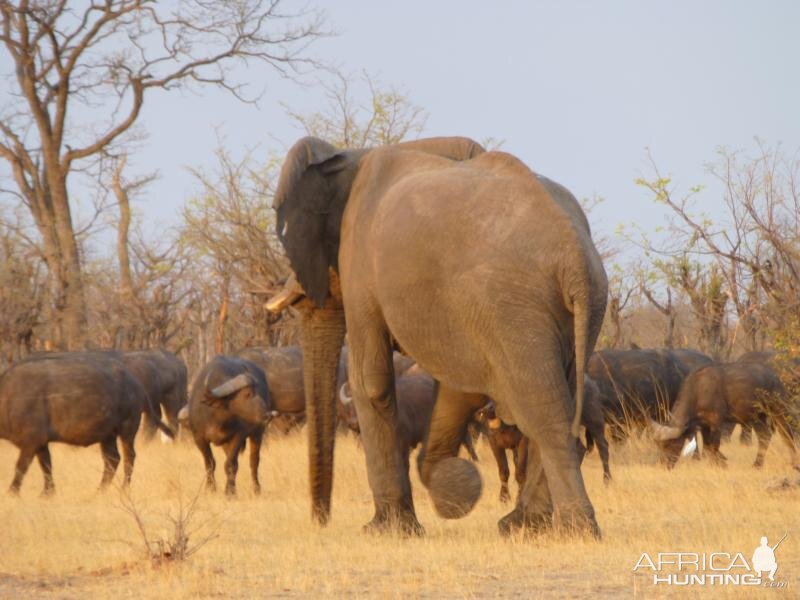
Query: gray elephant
column 471, row 264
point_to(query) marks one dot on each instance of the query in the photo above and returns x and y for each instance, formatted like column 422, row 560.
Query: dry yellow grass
column 78, row 544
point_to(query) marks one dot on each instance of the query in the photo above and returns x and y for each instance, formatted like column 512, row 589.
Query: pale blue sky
column 576, row 89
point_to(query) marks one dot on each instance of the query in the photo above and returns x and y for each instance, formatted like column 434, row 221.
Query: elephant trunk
column 322, row 334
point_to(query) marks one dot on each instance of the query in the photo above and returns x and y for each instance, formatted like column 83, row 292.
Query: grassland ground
column 81, row 543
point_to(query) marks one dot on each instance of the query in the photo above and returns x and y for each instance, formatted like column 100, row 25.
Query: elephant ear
column 302, row 203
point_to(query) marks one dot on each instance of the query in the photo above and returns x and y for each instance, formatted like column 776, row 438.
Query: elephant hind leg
column 554, row 490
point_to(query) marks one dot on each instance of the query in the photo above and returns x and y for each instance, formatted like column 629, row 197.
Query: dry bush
column 183, row 536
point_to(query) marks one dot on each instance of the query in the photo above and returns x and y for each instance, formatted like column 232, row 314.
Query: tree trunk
column 127, row 299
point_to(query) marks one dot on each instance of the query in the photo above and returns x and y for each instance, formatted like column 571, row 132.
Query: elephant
column 468, row 262
column 748, row 393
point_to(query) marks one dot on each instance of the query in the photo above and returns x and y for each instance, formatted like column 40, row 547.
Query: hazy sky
column 578, row 90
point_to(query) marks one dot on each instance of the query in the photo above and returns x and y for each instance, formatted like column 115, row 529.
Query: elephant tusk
column 290, row 293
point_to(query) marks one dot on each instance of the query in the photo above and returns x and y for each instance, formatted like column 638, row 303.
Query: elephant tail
column 581, row 322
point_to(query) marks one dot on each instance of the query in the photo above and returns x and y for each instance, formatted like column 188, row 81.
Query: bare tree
column 229, row 226
column 127, row 296
column 80, row 77
column 751, row 258
column 386, row 116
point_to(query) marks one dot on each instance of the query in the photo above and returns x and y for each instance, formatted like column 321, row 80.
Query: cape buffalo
column 637, row 385
column 164, row 377
column 416, row 396
column 229, row 405
column 79, row 398
column 748, row 393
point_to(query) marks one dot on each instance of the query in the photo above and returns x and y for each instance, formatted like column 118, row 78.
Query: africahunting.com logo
column 713, row 568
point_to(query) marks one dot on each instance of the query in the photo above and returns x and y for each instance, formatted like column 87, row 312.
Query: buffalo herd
column 99, row 397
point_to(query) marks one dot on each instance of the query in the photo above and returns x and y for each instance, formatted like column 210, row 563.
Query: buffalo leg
column 255, row 458
column 232, row 450
column 43, row 455
column 110, row 460
column 714, row 439
column 469, row 446
column 211, row 464
column 502, row 468
column 764, row 435
column 23, row 462
column 128, row 458
column 785, row 431
column 746, row 436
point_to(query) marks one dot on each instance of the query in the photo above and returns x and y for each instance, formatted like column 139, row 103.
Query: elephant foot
column 399, row 521
column 528, row 523
column 455, row 486
column 577, row 523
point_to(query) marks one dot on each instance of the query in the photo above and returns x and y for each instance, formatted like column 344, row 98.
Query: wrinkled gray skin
column 471, row 264
column 503, row 437
column 637, row 385
column 748, row 393
column 229, row 405
column 78, row 398
column 164, row 377
column 283, row 368
column 416, row 396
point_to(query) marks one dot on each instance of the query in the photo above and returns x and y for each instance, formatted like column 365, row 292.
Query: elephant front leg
column 453, row 483
column 372, row 383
